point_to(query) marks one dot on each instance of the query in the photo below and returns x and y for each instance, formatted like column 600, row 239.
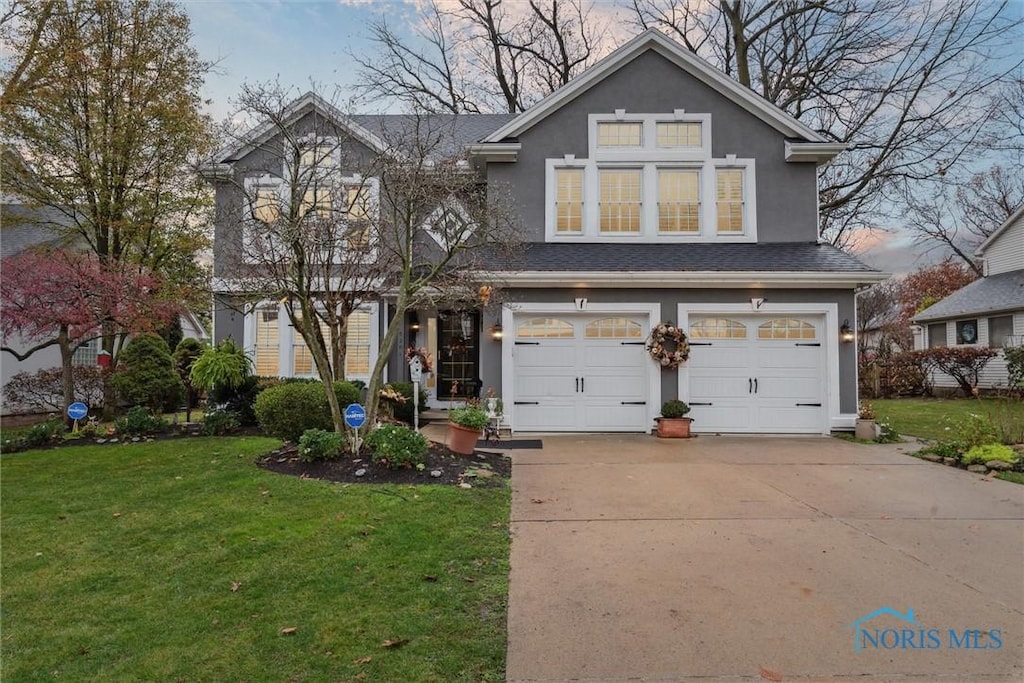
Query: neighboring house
column 987, row 312
column 651, row 188
column 23, row 227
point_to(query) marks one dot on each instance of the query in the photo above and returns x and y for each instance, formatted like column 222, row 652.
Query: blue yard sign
column 355, row 416
column 77, row 410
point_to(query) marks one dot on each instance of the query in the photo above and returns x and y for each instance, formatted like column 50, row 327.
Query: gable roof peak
column 653, row 39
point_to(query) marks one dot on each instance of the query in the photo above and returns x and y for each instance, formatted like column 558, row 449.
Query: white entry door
column 580, row 373
column 757, row 373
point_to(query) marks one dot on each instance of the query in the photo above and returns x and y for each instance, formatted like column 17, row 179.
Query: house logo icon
column 857, row 626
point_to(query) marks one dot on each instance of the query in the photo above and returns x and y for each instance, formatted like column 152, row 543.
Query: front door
column 458, row 355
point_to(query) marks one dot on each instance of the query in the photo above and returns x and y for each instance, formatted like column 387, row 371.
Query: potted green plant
column 673, row 424
column 464, row 428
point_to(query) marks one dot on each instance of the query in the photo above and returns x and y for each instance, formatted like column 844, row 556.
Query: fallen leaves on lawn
column 235, row 585
column 397, row 642
column 289, row 630
column 429, row 577
column 117, row 514
column 363, row 660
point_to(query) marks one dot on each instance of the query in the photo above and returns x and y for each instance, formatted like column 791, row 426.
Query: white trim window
column 650, row 177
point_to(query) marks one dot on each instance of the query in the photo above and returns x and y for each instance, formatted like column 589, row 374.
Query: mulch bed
column 482, row 469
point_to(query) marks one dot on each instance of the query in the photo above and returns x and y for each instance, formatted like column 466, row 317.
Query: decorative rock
column 465, row 485
column 101, row 440
column 979, row 469
column 949, row 461
column 136, row 439
column 361, row 472
column 435, row 473
column 931, row 457
column 113, row 441
column 483, row 474
column 999, row 465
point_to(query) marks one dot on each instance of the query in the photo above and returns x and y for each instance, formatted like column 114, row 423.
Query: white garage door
column 757, row 373
column 580, row 373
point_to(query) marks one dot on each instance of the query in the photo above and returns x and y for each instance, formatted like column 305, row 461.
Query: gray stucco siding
column 786, row 192
column 668, row 300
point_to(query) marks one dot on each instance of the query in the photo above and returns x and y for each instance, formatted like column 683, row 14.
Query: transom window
column 569, row 200
column 545, row 328
column 613, row 328
column 616, row 134
column 786, row 328
column 620, row 201
column 718, row 328
column 678, row 200
column 676, row 134
column 729, row 190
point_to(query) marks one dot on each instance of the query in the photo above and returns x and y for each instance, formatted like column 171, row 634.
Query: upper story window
column 614, row 134
column 677, row 134
column 266, row 204
column 650, row 177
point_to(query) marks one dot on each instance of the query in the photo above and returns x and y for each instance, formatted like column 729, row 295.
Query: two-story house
column 988, row 312
column 652, row 188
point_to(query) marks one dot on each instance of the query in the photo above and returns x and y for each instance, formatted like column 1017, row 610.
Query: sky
column 302, row 42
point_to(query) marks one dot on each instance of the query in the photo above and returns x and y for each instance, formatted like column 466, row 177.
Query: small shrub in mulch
column 440, row 466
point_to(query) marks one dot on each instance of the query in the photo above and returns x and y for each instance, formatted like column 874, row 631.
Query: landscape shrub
column 991, row 451
column 975, row 430
column 219, row 422
column 888, row 434
column 962, row 363
column 397, row 446
column 945, row 449
column 225, row 373
column 347, row 393
column 287, row 410
column 903, row 375
column 240, row 399
column 44, row 433
column 1015, row 366
column 404, row 411
column 43, row 390
column 186, row 353
column 146, row 375
column 320, row 444
column 139, row 421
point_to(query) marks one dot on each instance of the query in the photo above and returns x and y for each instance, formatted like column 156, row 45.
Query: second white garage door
column 580, row 373
column 757, row 373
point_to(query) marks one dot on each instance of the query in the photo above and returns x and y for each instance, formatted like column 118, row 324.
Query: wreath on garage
column 668, row 345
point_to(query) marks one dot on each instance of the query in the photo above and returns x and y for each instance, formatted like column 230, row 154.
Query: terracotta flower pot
column 461, row 439
column 674, row 427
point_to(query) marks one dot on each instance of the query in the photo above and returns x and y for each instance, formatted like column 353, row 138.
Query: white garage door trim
column 830, row 342
column 652, row 313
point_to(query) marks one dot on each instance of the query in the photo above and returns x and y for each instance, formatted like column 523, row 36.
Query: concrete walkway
column 730, row 558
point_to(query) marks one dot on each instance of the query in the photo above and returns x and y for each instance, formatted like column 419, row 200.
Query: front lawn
column 929, row 418
column 181, row 561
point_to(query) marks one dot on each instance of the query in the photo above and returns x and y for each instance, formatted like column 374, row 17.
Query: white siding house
column 989, row 312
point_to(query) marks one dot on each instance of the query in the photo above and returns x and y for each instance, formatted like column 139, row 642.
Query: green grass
column 929, row 418
column 1015, row 477
column 119, row 561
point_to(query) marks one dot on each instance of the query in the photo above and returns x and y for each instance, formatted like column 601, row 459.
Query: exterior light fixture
column 414, row 322
column 846, row 332
column 497, row 331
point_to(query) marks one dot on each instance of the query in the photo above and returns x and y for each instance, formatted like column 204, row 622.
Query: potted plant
column 866, row 427
column 464, row 428
column 672, row 424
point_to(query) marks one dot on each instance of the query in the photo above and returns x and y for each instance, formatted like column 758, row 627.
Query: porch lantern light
column 414, row 322
column 846, row 332
column 497, row 331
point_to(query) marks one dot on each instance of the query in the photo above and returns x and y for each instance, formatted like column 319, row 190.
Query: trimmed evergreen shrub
column 139, row 422
column 397, row 446
column 319, row 444
column 146, row 375
column 287, row 410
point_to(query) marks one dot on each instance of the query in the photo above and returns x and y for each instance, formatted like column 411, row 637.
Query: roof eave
column 701, row 279
column 999, row 231
column 817, row 152
column 494, row 151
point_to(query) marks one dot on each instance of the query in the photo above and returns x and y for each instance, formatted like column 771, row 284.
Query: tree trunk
column 67, row 355
column 394, row 328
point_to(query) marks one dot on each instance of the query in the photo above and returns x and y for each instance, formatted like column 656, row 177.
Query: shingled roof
column 683, row 257
column 1003, row 292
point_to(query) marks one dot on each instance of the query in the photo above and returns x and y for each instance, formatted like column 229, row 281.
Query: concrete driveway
column 722, row 558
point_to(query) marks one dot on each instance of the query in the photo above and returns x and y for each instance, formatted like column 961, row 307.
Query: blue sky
column 293, row 41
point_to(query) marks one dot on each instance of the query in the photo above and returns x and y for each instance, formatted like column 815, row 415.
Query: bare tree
column 481, row 55
column 905, row 84
column 957, row 218
column 440, row 225
column 307, row 196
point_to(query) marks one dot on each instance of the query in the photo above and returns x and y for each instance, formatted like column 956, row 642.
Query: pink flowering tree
column 61, row 298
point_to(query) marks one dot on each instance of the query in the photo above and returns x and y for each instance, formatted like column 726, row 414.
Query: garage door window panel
column 613, row 328
column 718, row 328
column 545, row 328
column 786, row 328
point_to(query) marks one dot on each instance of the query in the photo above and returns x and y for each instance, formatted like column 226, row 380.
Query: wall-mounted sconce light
column 497, row 331
column 414, row 322
column 846, row 332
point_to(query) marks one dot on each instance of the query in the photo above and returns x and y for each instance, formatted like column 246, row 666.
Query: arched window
column 545, row 328
column 717, row 328
column 614, row 328
column 786, row 328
